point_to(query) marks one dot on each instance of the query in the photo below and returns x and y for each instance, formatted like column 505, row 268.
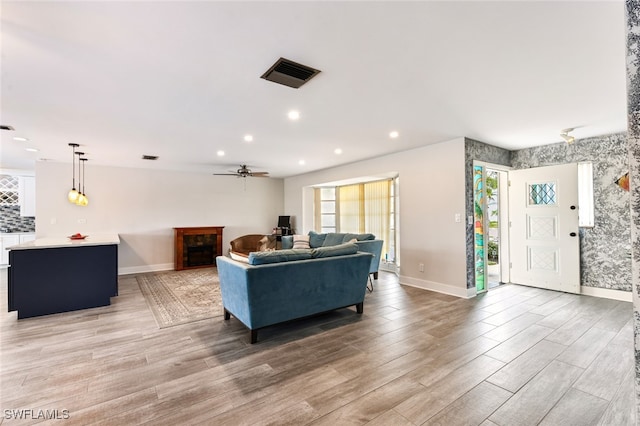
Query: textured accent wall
column 633, row 139
column 479, row 151
column 10, row 219
column 605, row 249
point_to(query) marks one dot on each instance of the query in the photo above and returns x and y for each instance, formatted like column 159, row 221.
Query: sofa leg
column 254, row 336
column 360, row 307
column 227, row 315
column 375, row 275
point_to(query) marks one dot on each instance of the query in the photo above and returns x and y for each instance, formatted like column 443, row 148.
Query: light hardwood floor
column 514, row 356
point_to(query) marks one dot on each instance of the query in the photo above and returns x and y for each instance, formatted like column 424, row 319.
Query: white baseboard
column 145, row 268
column 438, row 287
column 388, row 267
column 607, row 293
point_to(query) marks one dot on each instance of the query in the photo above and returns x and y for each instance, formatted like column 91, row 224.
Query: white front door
column 544, row 243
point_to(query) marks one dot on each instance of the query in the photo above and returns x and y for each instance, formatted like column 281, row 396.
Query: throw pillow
column 301, row 242
column 315, row 239
column 287, row 242
column 348, row 237
column 240, row 257
column 338, row 250
column 263, row 243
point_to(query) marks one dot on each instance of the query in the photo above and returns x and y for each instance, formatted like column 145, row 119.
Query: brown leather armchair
column 252, row 242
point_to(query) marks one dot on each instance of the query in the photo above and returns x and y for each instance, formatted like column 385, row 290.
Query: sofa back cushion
column 365, row 237
column 333, row 239
column 315, row 239
column 264, row 257
column 337, row 250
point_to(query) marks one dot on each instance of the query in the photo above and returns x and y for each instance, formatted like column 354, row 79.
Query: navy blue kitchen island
column 53, row 275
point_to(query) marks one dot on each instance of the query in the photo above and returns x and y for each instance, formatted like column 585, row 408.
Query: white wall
column 432, row 192
column 143, row 206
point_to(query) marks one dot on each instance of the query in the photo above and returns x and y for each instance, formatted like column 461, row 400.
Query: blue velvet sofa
column 283, row 285
column 366, row 243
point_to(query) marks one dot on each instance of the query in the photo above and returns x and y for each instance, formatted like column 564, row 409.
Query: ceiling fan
column 243, row 172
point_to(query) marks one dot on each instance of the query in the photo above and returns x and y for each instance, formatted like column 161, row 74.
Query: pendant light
column 82, row 198
column 73, row 194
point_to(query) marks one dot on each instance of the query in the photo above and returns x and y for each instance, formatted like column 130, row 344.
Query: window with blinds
column 359, row 208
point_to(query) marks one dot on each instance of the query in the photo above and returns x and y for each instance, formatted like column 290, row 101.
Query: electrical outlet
column 421, row 267
column 82, row 220
column 458, row 218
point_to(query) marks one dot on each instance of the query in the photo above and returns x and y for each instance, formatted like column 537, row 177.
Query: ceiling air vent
column 289, row 73
column 149, row 157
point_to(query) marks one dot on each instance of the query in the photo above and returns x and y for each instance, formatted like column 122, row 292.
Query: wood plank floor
column 514, row 356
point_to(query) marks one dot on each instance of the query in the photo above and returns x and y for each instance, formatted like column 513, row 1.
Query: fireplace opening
column 200, row 255
column 199, row 250
column 197, row 247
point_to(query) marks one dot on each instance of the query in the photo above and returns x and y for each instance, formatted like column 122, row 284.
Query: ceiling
column 181, row 80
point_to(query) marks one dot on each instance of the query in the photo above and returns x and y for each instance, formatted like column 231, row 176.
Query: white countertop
column 58, row 242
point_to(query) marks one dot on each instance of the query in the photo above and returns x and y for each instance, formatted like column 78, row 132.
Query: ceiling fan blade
column 259, row 174
column 226, row 174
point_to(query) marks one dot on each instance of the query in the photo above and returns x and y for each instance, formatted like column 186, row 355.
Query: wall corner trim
column 435, row 286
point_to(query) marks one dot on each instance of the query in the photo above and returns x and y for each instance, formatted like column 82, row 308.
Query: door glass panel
column 478, row 216
column 542, row 194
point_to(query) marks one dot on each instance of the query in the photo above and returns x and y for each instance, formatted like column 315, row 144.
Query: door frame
column 556, row 265
column 503, row 217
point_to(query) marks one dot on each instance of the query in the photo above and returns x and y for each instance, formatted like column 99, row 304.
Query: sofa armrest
column 375, row 248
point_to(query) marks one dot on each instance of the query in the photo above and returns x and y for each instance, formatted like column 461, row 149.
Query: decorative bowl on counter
column 77, row 237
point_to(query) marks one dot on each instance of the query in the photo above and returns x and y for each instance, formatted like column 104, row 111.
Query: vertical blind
column 363, row 207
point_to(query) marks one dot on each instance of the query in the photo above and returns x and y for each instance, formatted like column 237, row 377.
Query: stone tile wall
column 11, row 220
column 633, row 134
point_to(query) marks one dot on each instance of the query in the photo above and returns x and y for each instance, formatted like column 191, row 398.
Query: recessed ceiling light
column 31, row 149
column 248, row 138
column 220, row 153
column 20, row 139
column 394, row 134
column 301, row 162
column 338, row 151
column 293, row 115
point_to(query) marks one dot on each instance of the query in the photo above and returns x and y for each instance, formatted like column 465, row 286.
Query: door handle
column 572, row 207
column 572, row 234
